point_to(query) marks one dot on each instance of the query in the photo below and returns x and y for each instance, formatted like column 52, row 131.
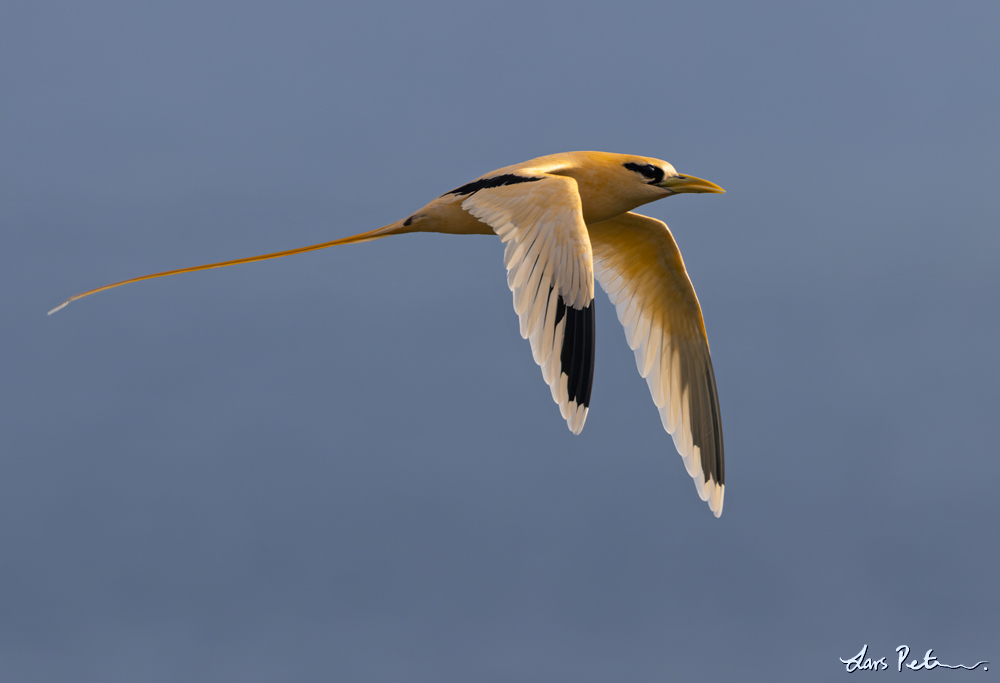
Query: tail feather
column 379, row 233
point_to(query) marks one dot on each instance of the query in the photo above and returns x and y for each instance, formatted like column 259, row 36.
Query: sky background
column 345, row 466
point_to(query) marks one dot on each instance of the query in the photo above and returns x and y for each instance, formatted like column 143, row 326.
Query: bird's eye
column 652, row 173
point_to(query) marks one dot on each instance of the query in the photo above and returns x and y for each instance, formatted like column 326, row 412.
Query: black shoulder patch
column 653, row 173
column 487, row 183
column 577, row 358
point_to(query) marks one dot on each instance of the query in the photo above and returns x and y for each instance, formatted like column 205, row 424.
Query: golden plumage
column 566, row 219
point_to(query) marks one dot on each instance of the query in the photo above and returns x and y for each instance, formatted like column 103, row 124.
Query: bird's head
column 611, row 184
column 663, row 180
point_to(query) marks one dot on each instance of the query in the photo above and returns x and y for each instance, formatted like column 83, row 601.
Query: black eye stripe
column 653, row 173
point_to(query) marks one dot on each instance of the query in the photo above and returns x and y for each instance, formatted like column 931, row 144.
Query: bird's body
column 566, row 219
column 604, row 187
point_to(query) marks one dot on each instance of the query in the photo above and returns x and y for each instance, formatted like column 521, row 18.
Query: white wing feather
column 548, row 257
column 638, row 264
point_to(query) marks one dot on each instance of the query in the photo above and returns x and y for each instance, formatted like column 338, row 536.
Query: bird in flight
column 567, row 219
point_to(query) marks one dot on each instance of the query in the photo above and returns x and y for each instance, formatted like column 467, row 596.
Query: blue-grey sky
column 345, row 466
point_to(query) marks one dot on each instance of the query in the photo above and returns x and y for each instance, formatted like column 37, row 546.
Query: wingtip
column 576, row 416
column 715, row 501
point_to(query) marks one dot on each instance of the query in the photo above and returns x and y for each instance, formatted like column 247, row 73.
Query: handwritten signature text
column 862, row 662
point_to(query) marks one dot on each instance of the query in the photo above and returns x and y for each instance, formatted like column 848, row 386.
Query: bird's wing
column 550, row 271
column 638, row 264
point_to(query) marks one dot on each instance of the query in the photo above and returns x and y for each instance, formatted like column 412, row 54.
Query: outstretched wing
column 638, row 264
column 550, row 271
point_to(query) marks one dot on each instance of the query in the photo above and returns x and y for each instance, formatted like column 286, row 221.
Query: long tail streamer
column 362, row 237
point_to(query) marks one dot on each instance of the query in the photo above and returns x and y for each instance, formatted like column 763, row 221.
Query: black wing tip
column 713, row 459
column 578, row 350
